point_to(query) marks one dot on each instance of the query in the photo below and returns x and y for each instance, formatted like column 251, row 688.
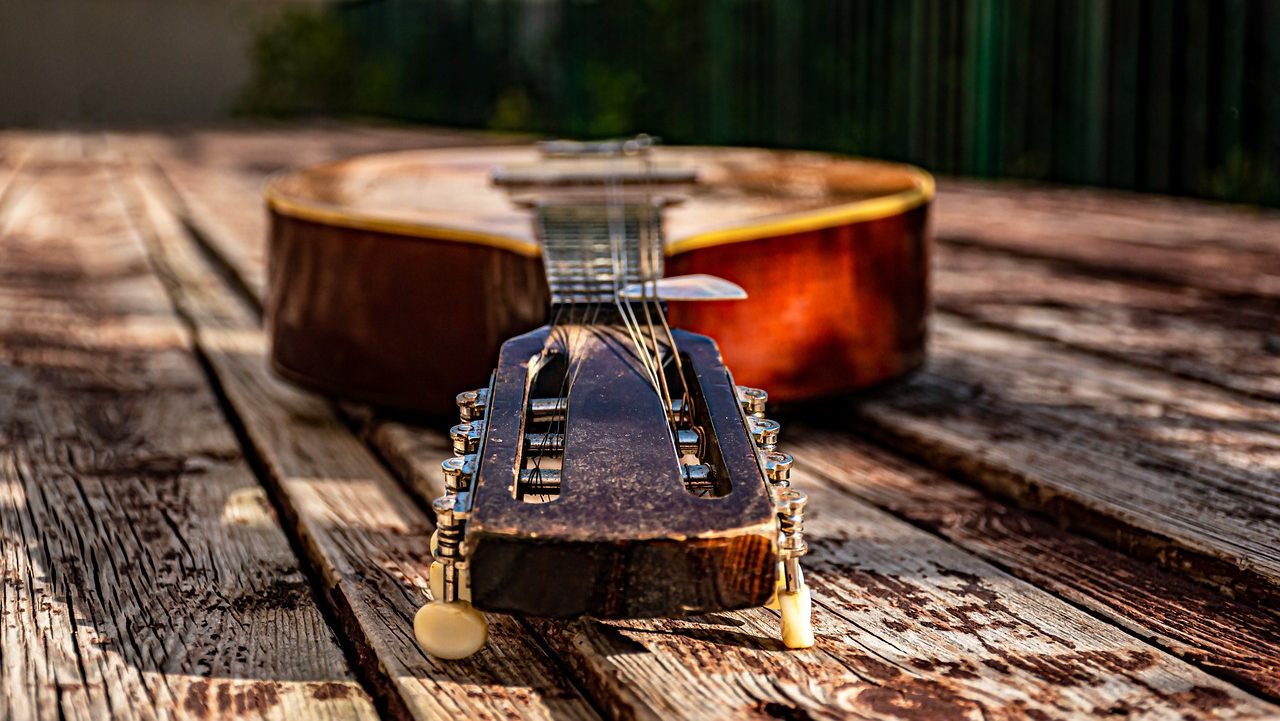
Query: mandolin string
column 618, row 255
column 649, row 294
column 651, row 245
column 558, row 334
column 587, row 317
column 647, row 249
column 545, row 232
column 646, row 346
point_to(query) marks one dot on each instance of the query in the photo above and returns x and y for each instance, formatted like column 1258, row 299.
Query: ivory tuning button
column 450, row 630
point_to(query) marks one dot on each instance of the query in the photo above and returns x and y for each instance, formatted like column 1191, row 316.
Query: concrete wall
column 114, row 61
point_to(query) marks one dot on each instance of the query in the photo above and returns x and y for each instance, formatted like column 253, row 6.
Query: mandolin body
column 395, row 279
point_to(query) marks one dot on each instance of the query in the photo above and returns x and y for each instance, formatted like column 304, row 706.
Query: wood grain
column 1176, row 471
column 1229, row 637
column 908, row 626
column 1231, row 343
column 1205, row 446
column 367, row 538
column 145, row 574
column 635, row 680
column 1220, row 248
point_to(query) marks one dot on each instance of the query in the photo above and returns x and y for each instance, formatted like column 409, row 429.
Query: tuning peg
column 753, row 400
column 457, row 473
column 466, row 437
column 777, row 467
column 764, row 432
column 472, row 404
column 448, row 570
column 794, row 601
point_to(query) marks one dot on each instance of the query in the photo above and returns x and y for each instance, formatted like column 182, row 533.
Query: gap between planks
column 1230, row 638
column 1176, row 471
column 606, row 667
column 1185, row 331
column 1228, row 250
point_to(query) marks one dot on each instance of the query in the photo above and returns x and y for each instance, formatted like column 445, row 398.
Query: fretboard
column 590, row 251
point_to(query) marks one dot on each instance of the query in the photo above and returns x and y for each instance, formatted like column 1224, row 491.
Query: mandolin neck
column 591, row 250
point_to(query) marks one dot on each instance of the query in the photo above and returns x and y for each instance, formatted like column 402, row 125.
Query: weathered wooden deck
column 1074, row 512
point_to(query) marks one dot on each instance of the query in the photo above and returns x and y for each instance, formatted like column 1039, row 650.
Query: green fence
column 1176, row 96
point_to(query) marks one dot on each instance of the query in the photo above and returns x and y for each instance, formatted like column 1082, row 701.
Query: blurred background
column 1170, row 96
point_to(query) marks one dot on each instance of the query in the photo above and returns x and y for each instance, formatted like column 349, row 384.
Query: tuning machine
column 777, row 467
column 791, row 597
column 473, row 404
column 449, row 627
column 764, row 432
column 753, row 400
column 466, row 437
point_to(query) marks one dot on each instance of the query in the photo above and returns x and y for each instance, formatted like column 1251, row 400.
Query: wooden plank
column 1219, row 248
column 1229, row 343
column 907, row 625
column 1230, row 638
column 366, row 536
column 1169, row 469
column 145, row 573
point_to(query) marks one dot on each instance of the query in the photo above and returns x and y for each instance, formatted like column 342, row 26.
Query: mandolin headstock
column 590, row 489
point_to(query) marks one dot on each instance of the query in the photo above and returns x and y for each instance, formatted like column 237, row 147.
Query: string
column 581, row 304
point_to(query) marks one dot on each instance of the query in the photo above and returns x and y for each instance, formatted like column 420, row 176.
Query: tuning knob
column 466, row 437
column 764, row 432
column 753, row 400
column 450, row 629
column 796, row 609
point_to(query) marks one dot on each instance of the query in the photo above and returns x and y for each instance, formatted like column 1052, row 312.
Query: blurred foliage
column 303, row 62
column 1176, row 96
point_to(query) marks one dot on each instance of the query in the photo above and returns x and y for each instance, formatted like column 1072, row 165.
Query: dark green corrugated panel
column 1164, row 95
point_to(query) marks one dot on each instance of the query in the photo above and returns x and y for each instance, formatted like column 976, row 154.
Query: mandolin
column 394, row 279
column 611, row 467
